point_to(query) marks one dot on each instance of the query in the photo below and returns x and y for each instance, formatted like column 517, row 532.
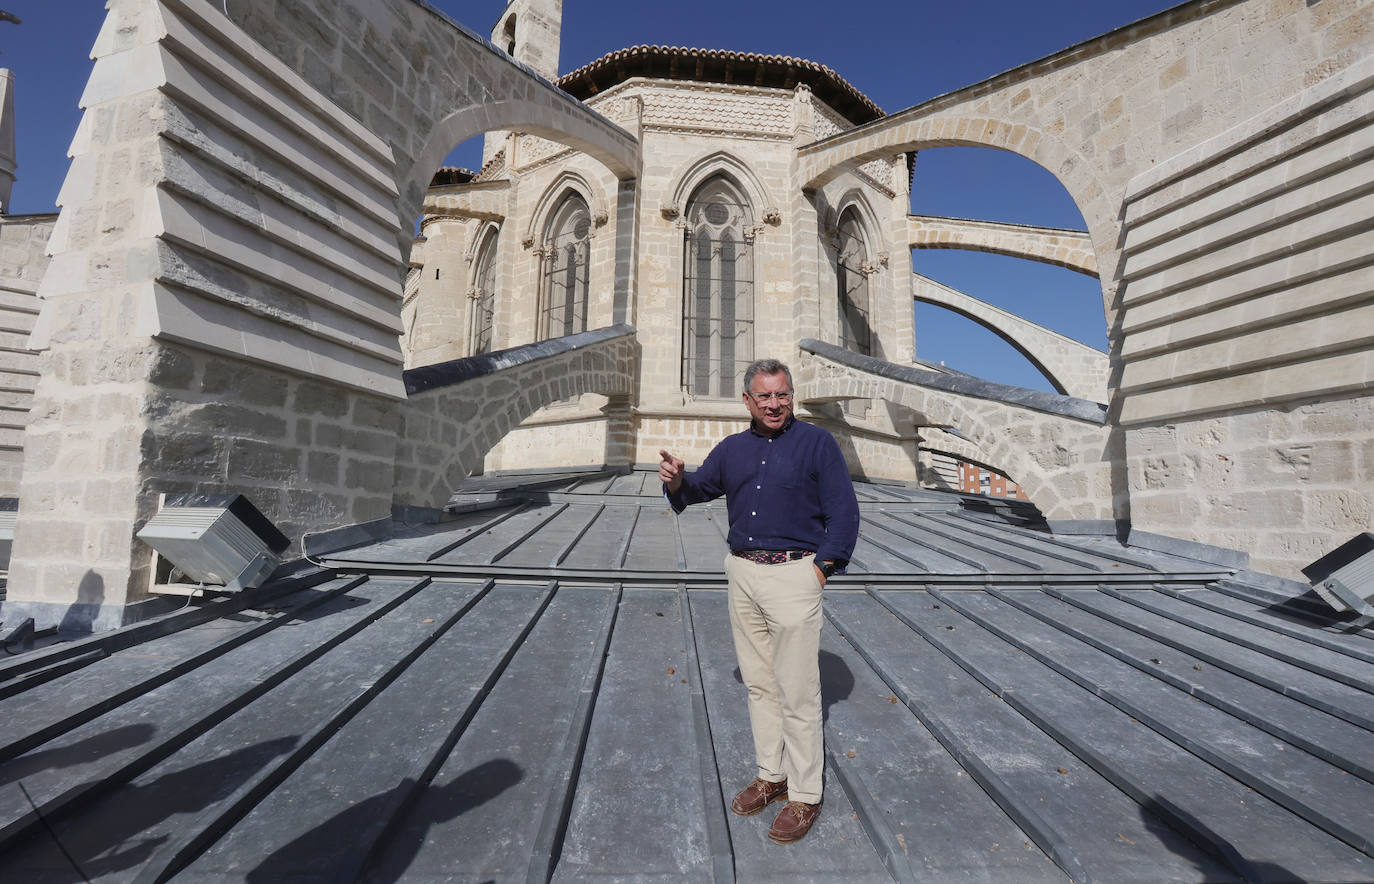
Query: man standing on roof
column 793, row 523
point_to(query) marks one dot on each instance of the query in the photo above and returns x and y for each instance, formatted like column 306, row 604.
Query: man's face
column 763, row 401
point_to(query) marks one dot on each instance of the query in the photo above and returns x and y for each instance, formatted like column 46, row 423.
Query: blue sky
column 898, row 52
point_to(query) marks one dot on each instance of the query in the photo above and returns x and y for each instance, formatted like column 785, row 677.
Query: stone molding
column 307, row 222
column 694, row 173
column 551, row 198
column 1247, row 262
column 1335, row 89
column 23, row 242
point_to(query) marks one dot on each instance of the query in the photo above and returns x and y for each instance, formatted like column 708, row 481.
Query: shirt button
column 758, row 486
column 753, row 514
column 751, row 538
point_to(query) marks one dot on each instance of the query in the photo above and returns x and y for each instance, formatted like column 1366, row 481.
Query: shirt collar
column 753, row 427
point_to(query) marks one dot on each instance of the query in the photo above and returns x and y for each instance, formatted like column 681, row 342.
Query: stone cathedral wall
column 23, row 243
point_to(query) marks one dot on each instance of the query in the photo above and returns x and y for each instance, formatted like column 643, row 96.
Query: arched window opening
column 851, row 274
column 567, row 259
column 483, row 294
column 718, row 291
column 508, row 34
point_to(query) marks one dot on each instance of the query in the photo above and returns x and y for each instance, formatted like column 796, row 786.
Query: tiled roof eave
column 667, row 62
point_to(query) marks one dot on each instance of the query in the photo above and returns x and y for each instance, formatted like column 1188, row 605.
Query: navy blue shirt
column 790, row 491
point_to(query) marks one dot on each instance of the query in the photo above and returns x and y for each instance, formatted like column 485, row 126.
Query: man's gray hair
column 766, row 366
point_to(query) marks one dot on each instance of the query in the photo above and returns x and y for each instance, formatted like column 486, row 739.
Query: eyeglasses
column 765, row 398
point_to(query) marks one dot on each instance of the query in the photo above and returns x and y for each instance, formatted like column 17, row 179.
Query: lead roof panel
column 531, row 688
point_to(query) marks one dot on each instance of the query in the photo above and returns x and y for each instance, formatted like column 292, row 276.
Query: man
column 793, row 523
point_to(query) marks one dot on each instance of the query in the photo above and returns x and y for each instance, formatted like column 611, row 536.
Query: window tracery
column 566, row 262
column 718, row 290
column 483, row 294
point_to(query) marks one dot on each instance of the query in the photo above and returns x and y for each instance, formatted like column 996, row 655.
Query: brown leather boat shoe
column 758, row 795
column 794, row 822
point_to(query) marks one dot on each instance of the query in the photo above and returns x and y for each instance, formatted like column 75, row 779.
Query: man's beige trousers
column 775, row 615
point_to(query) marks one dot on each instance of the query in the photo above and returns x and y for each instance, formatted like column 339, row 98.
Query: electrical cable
column 305, row 555
column 52, row 834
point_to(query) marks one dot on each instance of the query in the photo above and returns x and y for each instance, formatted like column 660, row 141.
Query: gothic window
column 567, row 257
column 718, row 291
column 483, row 294
column 856, row 320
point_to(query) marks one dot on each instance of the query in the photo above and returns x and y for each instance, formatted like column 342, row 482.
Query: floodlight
column 219, row 539
column 9, row 518
column 1344, row 577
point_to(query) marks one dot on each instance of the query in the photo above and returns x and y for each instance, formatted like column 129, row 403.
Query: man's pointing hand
column 670, row 471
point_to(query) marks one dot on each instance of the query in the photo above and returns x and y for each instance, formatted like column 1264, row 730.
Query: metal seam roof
column 1052, row 709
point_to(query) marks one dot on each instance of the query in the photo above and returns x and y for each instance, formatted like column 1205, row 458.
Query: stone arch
column 718, row 294
column 1070, row 249
column 584, row 131
column 856, row 300
column 553, row 196
column 854, row 198
column 907, row 132
column 507, row 31
column 937, row 411
column 1055, row 447
column 692, row 175
column 1050, row 469
column 1072, row 367
column 458, row 411
column 470, row 253
column 564, row 256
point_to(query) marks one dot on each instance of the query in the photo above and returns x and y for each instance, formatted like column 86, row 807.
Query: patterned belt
column 772, row 556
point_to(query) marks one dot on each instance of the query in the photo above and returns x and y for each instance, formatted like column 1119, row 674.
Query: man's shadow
column 83, row 751
column 126, row 827
column 837, row 682
column 331, row 850
column 80, row 616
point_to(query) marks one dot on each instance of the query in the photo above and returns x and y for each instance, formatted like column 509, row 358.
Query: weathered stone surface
column 1052, row 446
column 512, row 384
column 1259, row 479
column 247, row 384
column 269, row 262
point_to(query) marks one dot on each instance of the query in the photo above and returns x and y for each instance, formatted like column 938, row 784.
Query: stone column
column 8, row 161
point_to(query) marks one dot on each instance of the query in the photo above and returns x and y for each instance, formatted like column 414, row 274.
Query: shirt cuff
column 674, row 500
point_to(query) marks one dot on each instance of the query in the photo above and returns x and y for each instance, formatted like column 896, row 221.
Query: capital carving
column 668, row 212
column 772, row 216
